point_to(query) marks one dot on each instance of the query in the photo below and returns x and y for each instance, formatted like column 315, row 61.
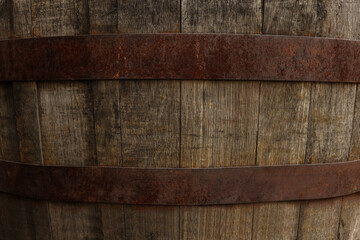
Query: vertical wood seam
column 305, row 160
column 299, row 218
column 180, row 134
column 11, row 18
column 341, row 209
column 252, row 222
column 258, row 124
column 308, row 127
column 15, row 119
column 180, row 24
column 93, row 122
column 121, row 152
column 87, row 31
column 39, row 123
column 262, row 16
column 353, row 120
column 256, row 153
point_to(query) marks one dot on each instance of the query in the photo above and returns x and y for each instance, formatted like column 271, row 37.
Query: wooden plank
column 213, row 16
column 5, row 16
column 291, row 17
column 21, row 19
column 103, row 16
column 330, row 124
column 58, row 18
column 153, row 16
column 284, row 109
column 219, row 128
column 150, row 113
column 211, row 140
column 27, row 119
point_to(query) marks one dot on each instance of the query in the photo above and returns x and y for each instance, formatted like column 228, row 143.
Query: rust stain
column 35, row 32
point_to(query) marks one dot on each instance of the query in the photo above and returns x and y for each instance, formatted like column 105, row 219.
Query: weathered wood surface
column 179, row 124
column 151, row 16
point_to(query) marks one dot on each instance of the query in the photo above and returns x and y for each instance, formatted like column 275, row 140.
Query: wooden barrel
column 178, row 123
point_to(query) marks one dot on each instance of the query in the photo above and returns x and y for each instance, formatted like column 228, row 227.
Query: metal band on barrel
column 176, row 186
column 180, row 56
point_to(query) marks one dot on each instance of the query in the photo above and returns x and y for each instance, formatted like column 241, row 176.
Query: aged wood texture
column 232, row 16
column 5, row 14
column 290, row 17
column 211, row 113
column 151, row 16
column 103, row 16
column 150, row 113
column 281, row 140
column 219, row 127
column 21, row 19
column 58, row 18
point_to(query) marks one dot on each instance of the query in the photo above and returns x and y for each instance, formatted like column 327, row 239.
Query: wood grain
column 5, row 16
column 219, row 127
column 58, row 18
column 210, row 120
column 213, row 16
column 21, row 19
column 283, row 124
column 151, row 16
column 103, row 16
column 150, row 113
column 290, row 17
